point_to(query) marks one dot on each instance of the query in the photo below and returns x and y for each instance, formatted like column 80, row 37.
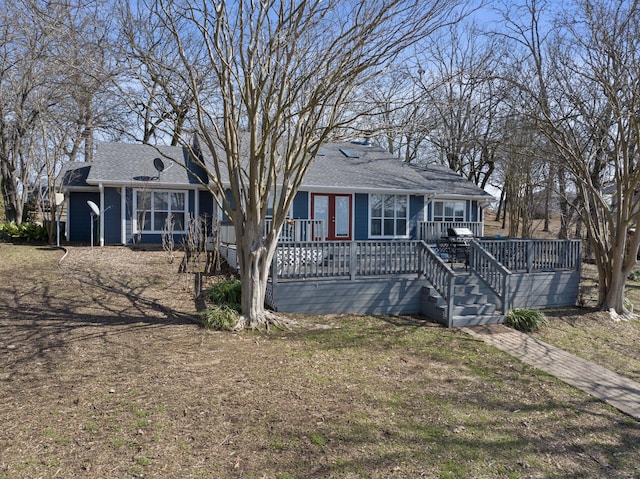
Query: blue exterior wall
column 112, row 224
column 79, row 217
column 361, row 217
column 300, row 206
column 416, row 213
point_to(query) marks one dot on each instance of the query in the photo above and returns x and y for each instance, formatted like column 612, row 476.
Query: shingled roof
column 358, row 166
column 127, row 163
column 344, row 166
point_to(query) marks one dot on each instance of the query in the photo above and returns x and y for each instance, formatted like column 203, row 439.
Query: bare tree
column 463, row 98
column 157, row 90
column 400, row 123
column 589, row 112
column 25, row 95
column 286, row 75
column 57, row 72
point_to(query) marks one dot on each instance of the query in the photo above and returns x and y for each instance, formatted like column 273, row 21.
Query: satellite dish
column 158, row 164
column 94, row 208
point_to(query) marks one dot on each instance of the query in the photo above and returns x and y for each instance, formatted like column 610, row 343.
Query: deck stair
column 472, row 303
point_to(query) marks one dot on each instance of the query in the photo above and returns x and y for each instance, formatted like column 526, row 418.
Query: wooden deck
column 390, row 277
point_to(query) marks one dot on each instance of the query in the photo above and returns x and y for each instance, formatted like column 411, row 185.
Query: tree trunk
column 499, row 210
column 254, row 260
column 12, row 207
column 613, row 297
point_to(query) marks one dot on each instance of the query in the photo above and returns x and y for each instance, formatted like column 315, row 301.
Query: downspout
column 101, row 188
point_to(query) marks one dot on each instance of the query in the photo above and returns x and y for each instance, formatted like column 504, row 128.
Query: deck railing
column 491, row 271
column 531, row 255
column 439, row 274
column 346, row 259
column 300, row 230
column 431, row 231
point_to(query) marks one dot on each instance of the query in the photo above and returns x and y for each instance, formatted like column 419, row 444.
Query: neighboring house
column 353, row 191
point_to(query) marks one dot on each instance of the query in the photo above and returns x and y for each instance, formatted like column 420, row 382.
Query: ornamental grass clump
column 227, row 292
column 220, row 318
column 224, row 315
column 525, row 320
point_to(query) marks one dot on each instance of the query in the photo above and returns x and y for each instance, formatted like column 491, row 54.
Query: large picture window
column 389, row 215
column 448, row 211
column 154, row 207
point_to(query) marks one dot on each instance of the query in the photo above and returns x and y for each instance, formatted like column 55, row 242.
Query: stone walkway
column 616, row 390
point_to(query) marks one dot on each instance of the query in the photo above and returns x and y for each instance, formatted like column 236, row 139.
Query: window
column 448, row 210
column 388, row 215
column 154, row 207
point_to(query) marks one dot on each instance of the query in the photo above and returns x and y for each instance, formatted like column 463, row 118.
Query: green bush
column 227, row 293
column 634, row 276
column 220, row 318
column 525, row 320
column 23, row 232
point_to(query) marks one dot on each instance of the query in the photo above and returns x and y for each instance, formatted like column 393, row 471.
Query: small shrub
column 525, row 320
column 23, row 232
column 220, row 318
column 227, row 292
column 634, row 276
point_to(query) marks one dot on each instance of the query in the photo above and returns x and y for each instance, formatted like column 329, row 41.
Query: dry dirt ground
column 105, row 374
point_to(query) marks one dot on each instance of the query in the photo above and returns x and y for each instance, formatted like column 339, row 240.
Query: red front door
column 335, row 211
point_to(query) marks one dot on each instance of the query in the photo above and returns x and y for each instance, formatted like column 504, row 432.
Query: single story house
column 353, row 191
column 362, row 234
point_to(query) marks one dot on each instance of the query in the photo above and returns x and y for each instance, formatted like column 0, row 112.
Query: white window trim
column 370, row 217
column 444, row 220
column 134, row 219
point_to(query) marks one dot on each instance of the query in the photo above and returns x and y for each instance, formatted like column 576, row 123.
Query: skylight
column 349, row 153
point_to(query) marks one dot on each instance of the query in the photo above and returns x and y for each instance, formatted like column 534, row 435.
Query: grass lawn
column 103, row 373
column 593, row 335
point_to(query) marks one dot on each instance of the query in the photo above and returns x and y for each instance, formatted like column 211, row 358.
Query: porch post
column 123, row 215
column 274, row 277
column 352, row 260
column 102, row 210
column 529, row 256
column 451, row 287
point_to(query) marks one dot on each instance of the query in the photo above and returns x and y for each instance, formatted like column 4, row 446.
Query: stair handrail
column 439, row 274
column 492, row 272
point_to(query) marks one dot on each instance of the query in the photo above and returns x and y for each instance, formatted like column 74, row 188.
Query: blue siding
column 474, row 211
column 112, row 203
column 191, row 207
column 206, row 203
column 416, row 208
column 79, row 217
column 300, row 207
column 361, row 214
